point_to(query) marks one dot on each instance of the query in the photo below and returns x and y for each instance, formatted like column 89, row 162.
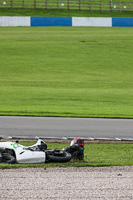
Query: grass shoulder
column 61, row 13
column 95, row 155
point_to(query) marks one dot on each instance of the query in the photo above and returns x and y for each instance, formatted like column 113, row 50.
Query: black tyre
column 7, row 159
column 58, row 156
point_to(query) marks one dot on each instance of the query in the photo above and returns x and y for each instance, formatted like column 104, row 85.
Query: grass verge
column 95, row 155
column 61, row 13
column 66, row 71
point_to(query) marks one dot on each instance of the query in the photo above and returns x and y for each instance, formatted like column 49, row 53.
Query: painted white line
column 65, row 138
column 118, row 139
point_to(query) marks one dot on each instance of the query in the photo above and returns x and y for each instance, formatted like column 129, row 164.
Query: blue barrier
column 51, row 21
column 122, row 22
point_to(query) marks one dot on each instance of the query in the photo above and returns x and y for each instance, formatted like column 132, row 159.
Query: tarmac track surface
column 105, row 183
column 66, row 127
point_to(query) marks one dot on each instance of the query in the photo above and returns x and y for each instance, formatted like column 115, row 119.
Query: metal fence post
column 35, row 4
column 120, row 6
column 46, row 4
column 100, row 5
column 57, row 4
column 11, row 3
column 23, row 4
column 68, row 4
column 89, row 5
column 111, row 5
column 129, row 6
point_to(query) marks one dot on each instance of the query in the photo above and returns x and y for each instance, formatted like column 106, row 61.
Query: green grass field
column 94, row 155
column 66, row 71
column 64, row 13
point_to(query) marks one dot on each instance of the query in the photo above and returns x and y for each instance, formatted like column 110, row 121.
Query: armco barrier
column 66, row 21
